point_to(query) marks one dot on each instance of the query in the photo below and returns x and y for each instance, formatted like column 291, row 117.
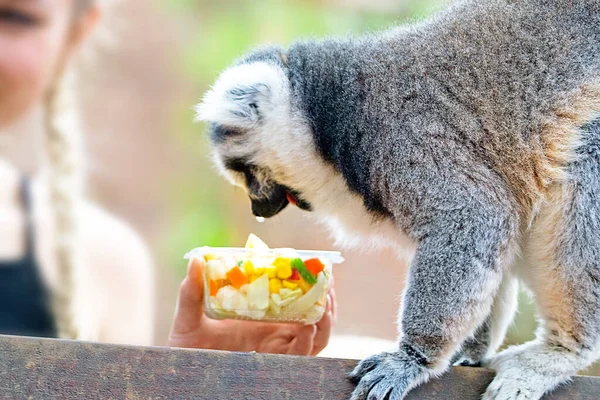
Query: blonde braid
column 71, row 299
column 63, row 152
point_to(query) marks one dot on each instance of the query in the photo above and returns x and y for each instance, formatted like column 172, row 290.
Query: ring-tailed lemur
column 471, row 139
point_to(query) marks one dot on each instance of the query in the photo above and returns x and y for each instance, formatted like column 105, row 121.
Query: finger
column 323, row 331
column 302, row 343
column 190, row 301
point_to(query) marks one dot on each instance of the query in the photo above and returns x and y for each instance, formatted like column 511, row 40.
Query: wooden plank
column 55, row 369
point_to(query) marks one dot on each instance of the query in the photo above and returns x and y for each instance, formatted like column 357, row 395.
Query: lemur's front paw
column 387, row 376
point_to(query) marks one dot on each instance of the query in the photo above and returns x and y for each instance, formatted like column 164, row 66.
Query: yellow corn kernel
column 284, row 268
column 305, row 286
column 274, row 285
column 209, row 257
column 289, row 285
column 271, row 272
column 254, row 277
column 249, row 268
column 282, row 262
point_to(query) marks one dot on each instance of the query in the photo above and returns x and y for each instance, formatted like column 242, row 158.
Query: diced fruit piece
column 229, row 262
column 271, row 271
column 304, row 285
column 292, row 294
column 284, row 267
column 276, row 298
column 274, row 285
column 282, row 262
column 273, row 307
column 216, row 269
column 264, row 266
column 248, row 267
column 231, row 299
column 295, row 276
column 298, row 265
column 258, row 294
column 244, row 289
column 214, row 287
column 289, row 285
column 317, row 292
column 288, row 301
column 209, row 257
column 314, row 265
column 254, row 242
column 283, row 301
column 237, row 277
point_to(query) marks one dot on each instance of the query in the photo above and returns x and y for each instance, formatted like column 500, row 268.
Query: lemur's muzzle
column 275, row 200
column 271, row 203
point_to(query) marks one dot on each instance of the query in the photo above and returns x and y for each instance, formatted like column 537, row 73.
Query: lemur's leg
column 490, row 335
column 563, row 257
column 454, row 277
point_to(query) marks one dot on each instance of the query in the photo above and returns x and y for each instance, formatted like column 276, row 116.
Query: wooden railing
column 56, row 369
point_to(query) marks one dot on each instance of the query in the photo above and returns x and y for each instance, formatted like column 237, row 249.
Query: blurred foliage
column 220, row 32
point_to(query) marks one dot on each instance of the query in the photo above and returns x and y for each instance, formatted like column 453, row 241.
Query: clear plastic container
column 272, row 285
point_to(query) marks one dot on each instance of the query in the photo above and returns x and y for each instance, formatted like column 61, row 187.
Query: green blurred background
column 160, row 177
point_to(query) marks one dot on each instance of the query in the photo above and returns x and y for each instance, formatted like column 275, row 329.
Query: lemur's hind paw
column 511, row 388
column 527, row 372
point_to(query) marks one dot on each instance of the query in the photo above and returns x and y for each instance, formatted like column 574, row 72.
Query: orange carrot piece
column 314, row 265
column 237, row 277
column 214, row 288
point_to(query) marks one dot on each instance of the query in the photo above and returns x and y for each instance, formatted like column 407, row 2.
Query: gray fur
column 441, row 129
column 474, row 349
column 568, row 338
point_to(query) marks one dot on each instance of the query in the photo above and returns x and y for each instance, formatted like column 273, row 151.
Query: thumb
column 190, row 301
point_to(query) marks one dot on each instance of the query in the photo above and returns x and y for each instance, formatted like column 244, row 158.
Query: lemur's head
column 264, row 140
column 253, row 122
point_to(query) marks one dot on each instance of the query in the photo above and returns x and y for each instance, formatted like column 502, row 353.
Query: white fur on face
column 279, row 137
column 216, row 106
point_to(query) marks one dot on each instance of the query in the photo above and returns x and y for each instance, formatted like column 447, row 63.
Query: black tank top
column 24, row 298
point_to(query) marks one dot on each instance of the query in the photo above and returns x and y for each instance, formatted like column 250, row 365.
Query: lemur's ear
column 240, row 97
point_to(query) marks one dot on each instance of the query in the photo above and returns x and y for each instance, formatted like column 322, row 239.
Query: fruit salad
column 263, row 284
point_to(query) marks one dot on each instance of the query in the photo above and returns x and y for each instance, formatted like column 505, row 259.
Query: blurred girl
column 67, row 268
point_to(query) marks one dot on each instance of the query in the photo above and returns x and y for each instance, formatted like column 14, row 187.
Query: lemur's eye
column 238, row 165
column 243, row 167
column 220, row 133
